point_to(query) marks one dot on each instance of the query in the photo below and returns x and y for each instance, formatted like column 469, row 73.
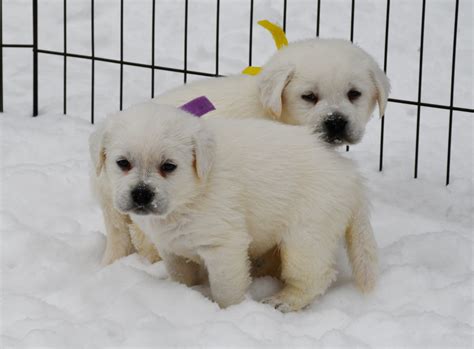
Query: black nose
column 335, row 126
column 142, row 195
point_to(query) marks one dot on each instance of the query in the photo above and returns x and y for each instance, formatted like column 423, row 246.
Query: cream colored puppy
column 214, row 193
column 330, row 85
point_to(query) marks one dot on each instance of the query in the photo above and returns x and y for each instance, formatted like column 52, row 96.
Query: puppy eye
column 168, row 167
column 353, row 95
column 310, row 97
column 124, row 165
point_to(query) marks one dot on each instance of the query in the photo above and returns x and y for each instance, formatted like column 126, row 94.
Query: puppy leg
column 362, row 251
column 143, row 245
column 228, row 269
column 182, row 270
column 307, row 270
column 119, row 243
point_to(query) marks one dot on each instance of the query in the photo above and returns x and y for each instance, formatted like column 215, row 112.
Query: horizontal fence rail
column 185, row 71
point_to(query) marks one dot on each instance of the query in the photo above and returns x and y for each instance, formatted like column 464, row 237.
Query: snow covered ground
column 54, row 292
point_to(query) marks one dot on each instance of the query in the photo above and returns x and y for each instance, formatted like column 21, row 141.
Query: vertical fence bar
column 385, row 57
column 186, row 41
column 92, row 61
column 420, row 83
column 284, row 15
column 352, row 34
column 35, row 57
column 251, row 33
column 1, row 56
column 352, row 20
column 451, row 100
column 218, row 5
column 65, row 57
column 318, row 17
column 153, row 48
column 121, row 55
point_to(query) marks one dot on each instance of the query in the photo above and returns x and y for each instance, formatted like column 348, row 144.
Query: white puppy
column 330, row 85
column 212, row 193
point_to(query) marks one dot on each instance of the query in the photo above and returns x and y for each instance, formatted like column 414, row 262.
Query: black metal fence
column 185, row 71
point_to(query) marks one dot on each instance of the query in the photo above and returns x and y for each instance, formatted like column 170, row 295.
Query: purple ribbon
column 198, row 106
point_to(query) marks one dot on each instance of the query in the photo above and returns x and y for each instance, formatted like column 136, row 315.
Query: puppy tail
column 362, row 251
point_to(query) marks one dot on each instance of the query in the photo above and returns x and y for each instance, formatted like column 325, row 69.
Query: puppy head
column 330, row 85
column 156, row 158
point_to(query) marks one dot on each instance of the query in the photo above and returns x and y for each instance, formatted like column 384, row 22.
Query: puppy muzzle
column 143, row 201
column 335, row 129
column 142, row 195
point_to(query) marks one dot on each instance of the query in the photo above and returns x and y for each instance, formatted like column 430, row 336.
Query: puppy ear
column 101, row 160
column 204, row 152
column 382, row 86
column 97, row 148
column 271, row 83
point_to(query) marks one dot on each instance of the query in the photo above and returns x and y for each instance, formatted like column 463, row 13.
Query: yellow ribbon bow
column 278, row 36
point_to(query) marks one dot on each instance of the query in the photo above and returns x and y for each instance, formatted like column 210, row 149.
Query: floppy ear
column 204, row 152
column 97, row 148
column 382, row 86
column 271, row 83
column 101, row 160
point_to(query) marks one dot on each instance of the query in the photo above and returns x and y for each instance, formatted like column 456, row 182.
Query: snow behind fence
column 192, row 39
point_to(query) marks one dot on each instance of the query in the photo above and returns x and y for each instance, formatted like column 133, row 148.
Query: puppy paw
column 110, row 258
column 289, row 299
column 279, row 304
column 107, row 260
column 116, row 251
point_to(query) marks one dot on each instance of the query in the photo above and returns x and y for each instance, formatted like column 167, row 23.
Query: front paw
column 285, row 303
column 278, row 304
column 110, row 258
column 107, row 260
